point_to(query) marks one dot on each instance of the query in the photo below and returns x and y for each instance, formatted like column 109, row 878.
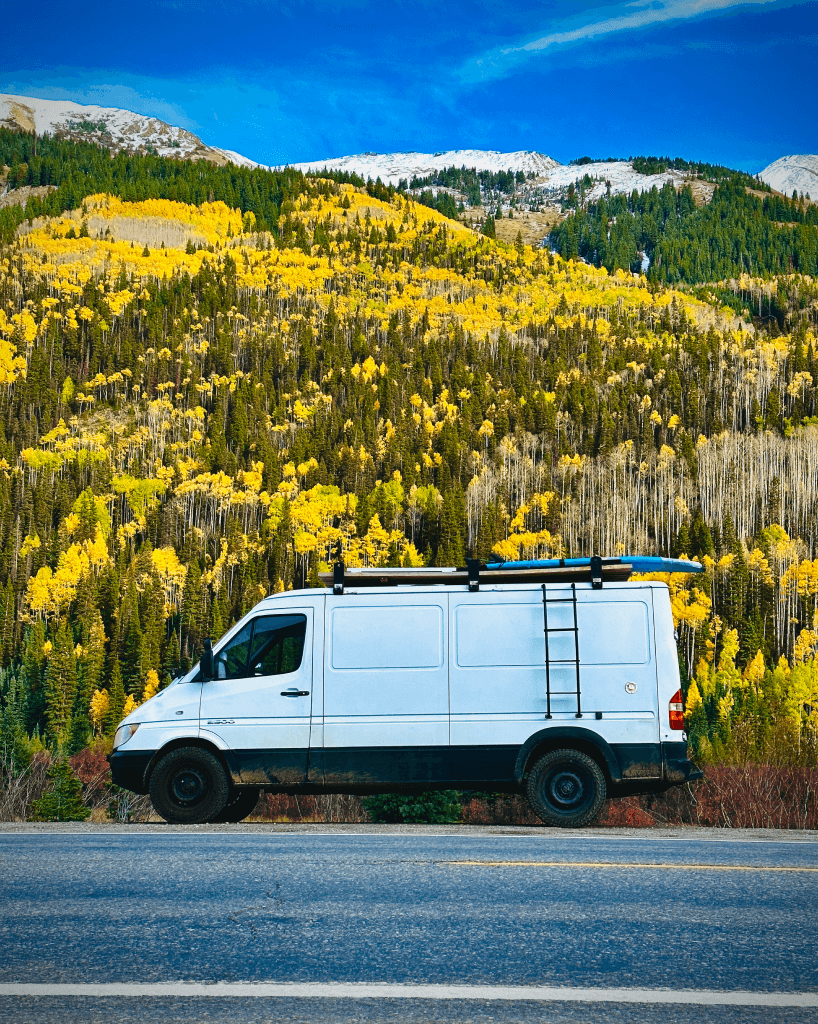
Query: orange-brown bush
column 94, row 773
column 324, row 807
column 742, row 796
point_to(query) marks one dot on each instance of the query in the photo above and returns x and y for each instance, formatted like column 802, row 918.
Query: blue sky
column 727, row 82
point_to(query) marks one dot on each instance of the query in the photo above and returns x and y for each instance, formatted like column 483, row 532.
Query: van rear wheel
column 566, row 788
column 189, row 787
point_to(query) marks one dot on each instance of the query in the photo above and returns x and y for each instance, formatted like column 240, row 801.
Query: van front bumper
column 128, row 768
column 676, row 767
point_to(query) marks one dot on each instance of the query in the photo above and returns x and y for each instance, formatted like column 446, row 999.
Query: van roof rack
column 595, row 570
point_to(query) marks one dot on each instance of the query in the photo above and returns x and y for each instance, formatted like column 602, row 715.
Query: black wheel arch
column 575, row 737
column 222, row 756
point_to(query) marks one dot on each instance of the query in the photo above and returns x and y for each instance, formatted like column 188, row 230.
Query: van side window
column 231, row 661
column 278, row 644
column 270, row 645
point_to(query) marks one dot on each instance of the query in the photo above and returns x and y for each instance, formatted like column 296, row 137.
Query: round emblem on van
column 630, row 687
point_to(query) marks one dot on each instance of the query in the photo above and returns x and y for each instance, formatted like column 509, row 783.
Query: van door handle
column 295, row 693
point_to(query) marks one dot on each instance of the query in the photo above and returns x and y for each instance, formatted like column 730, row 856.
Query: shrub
column 64, row 801
column 742, row 796
column 400, row 808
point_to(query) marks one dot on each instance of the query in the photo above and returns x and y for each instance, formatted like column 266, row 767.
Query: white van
column 567, row 690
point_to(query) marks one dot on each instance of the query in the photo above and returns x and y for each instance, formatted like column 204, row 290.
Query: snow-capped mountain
column 392, row 167
column 116, row 129
column 793, row 172
column 549, row 174
column 620, row 174
column 547, row 180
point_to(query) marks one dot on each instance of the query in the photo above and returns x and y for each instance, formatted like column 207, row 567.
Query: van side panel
column 498, row 681
column 386, row 699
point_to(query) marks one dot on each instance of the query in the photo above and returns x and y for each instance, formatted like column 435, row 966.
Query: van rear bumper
column 128, row 768
column 653, row 766
column 676, row 768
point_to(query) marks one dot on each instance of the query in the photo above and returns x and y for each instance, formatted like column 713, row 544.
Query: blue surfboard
column 640, row 563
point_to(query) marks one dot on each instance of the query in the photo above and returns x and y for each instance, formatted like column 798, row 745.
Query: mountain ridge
column 118, row 130
column 793, row 173
column 112, row 127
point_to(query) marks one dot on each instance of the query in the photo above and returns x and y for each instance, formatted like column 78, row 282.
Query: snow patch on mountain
column 392, row 167
column 110, row 127
column 619, row 174
column 793, row 172
column 549, row 174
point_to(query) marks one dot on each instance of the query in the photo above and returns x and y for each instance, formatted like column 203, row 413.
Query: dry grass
column 335, row 808
column 20, row 787
column 532, row 226
column 742, row 796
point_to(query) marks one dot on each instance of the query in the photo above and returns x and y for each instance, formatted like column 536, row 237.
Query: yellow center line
column 609, row 864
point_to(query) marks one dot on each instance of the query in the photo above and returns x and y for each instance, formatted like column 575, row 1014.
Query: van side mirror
column 206, row 661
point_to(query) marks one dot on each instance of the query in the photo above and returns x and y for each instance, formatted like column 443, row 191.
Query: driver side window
column 231, row 661
column 270, row 645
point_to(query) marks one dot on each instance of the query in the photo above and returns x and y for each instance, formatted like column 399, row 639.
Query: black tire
column 566, row 788
column 189, row 787
column 242, row 802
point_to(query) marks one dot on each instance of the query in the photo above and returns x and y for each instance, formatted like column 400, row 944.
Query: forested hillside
column 210, row 376
column 740, row 231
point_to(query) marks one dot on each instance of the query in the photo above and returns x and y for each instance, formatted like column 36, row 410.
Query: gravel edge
column 688, row 832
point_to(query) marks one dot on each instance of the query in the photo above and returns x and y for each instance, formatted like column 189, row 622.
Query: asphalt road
column 576, row 912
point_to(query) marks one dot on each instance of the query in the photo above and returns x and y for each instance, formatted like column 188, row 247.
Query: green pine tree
column 64, row 801
column 33, row 671
column 60, row 684
column 14, row 741
column 7, row 621
column 131, row 641
column 117, row 699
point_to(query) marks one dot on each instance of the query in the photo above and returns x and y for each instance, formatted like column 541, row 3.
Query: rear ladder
column 549, row 661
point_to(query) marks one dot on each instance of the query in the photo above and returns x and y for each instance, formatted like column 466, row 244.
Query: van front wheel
column 189, row 787
column 566, row 788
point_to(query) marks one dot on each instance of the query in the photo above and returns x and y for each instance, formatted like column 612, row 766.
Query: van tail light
column 677, row 711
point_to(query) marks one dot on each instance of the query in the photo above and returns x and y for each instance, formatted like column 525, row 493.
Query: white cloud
column 630, row 17
column 673, row 11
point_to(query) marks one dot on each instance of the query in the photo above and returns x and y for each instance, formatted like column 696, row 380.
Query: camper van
column 559, row 680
